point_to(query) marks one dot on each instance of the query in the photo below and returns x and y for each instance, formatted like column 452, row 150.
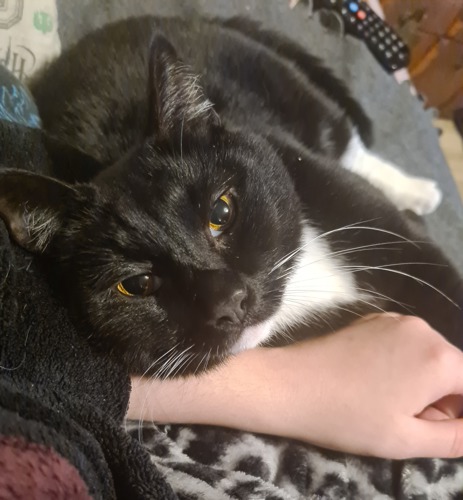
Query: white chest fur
column 318, row 281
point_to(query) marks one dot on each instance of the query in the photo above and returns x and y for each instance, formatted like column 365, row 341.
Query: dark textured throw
column 61, row 405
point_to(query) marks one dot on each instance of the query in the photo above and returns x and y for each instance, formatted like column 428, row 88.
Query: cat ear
column 33, row 206
column 176, row 101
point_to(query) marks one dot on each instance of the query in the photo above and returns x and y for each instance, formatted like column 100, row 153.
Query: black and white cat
column 230, row 199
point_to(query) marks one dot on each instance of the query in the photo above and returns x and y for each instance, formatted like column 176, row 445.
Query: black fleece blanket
column 61, row 404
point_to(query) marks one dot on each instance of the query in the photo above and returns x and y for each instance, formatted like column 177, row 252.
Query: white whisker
column 372, row 247
column 353, row 226
column 159, row 359
column 402, row 273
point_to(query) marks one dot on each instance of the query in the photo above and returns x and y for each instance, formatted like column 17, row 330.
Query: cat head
column 168, row 255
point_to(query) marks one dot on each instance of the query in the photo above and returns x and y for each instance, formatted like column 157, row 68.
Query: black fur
column 161, row 158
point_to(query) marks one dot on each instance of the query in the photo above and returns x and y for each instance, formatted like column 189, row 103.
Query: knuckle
column 438, row 356
column 414, row 323
column 414, row 329
column 418, row 328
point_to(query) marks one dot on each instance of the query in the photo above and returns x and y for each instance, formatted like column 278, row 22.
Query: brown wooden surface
column 433, row 29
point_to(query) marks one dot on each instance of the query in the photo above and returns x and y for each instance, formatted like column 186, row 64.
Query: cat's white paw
column 417, row 194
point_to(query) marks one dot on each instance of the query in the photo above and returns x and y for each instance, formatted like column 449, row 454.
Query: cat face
column 167, row 256
column 182, row 251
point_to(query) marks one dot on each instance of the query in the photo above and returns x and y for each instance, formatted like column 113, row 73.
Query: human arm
column 387, row 386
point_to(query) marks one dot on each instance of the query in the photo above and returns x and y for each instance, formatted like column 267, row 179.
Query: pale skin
column 387, row 386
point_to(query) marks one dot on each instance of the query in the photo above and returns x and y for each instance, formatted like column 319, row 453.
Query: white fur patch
column 407, row 192
column 253, row 336
column 317, row 283
column 193, row 102
column 41, row 225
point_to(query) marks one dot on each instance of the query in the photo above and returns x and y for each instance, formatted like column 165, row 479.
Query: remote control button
column 361, row 14
column 388, row 54
column 353, row 7
column 352, row 19
column 395, row 48
column 374, row 39
column 387, row 41
column 381, row 46
column 381, row 34
column 343, row 11
column 402, row 56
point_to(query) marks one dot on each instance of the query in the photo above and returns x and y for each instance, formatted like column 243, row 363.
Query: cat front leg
column 407, row 192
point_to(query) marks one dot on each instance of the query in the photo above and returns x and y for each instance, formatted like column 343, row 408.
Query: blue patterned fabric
column 16, row 104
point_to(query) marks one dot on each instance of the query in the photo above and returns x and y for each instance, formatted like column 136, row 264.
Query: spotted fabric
column 213, row 463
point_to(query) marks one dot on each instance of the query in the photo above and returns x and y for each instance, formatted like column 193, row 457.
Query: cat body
column 230, row 198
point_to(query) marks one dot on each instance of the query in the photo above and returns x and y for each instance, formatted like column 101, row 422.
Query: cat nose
column 231, row 311
column 221, row 300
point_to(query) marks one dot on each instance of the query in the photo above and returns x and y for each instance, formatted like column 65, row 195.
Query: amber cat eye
column 222, row 215
column 141, row 285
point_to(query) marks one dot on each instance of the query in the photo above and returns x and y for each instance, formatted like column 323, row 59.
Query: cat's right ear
column 33, row 207
column 176, row 99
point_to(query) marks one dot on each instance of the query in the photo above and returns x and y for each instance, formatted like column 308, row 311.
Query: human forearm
column 231, row 395
column 370, row 389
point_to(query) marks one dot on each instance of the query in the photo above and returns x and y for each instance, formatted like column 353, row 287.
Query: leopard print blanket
column 212, row 463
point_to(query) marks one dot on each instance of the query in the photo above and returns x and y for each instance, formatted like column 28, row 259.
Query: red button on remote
column 361, row 14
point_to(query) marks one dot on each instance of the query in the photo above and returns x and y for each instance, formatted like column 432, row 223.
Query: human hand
column 387, row 386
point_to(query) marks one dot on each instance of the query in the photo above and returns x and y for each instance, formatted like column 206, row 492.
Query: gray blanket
column 212, row 463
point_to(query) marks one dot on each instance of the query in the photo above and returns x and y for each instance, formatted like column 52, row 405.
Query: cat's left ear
column 176, row 100
column 33, row 207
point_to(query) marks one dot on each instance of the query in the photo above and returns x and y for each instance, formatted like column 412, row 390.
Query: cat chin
column 252, row 336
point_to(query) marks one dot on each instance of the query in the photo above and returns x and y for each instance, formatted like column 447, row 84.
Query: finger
column 449, row 407
column 431, row 413
column 438, row 439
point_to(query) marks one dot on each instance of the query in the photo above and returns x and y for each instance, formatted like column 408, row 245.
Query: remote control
column 363, row 23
